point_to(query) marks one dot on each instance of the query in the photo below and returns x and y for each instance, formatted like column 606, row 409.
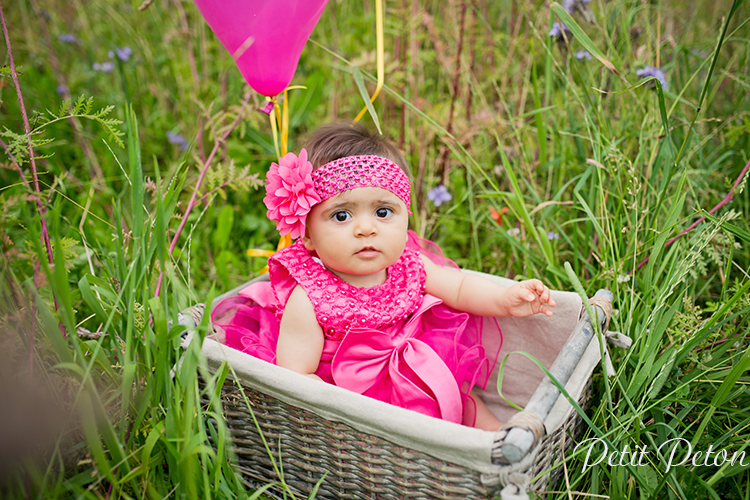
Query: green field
column 131, row 188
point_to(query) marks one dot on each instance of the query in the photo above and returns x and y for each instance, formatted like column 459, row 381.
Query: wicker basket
column 369, row 449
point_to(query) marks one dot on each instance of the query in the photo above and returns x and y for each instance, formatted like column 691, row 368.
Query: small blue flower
column 67, row 38
column 557, row 30
column 700, row 54
column 553, row 236
column 176, row 138
column 124, row 53
column 439, row 195
column 106, row 67
column 583, row 54
column 653, row 72
column 571, row 5
column 62, row 89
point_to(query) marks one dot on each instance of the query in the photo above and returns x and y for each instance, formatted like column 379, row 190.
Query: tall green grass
column 595, row 166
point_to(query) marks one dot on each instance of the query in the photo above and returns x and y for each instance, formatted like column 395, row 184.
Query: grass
column 594, row 166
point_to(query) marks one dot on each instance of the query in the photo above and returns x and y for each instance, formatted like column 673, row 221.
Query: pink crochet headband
column 292, row 188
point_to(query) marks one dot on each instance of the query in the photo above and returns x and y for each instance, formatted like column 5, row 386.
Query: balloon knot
column 267, row 108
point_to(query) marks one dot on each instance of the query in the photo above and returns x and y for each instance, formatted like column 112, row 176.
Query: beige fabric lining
column 538, row 335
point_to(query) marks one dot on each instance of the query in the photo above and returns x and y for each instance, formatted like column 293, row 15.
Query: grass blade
column 359, row 81
column 583, row 38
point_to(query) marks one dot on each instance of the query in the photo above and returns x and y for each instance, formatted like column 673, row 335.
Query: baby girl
column 361, row 302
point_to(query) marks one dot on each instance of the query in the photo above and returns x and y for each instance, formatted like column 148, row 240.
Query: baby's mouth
column 367, row 251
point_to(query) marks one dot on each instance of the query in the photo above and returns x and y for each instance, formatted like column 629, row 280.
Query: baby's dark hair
column 338, row 140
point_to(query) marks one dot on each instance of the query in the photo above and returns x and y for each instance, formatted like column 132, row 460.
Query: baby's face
column 358, row 234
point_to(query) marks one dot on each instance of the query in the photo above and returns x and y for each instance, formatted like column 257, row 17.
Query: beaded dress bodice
column 339, row 306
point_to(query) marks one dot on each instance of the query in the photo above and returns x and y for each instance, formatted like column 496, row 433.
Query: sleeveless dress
column 392, row 342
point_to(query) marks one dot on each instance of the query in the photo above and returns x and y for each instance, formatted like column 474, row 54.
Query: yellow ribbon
column 379, row 59
column 284, row 242
column 279, row 123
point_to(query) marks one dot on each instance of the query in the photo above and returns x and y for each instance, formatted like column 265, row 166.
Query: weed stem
column 723, row 202
column 217, row 143
column 27, row 129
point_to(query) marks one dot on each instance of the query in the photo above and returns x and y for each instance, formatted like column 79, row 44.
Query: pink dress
column 392, row 342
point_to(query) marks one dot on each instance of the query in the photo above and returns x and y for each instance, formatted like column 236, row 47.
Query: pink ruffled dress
column 392, row 342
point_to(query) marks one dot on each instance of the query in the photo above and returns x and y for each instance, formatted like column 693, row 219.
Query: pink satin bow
column 403, row 371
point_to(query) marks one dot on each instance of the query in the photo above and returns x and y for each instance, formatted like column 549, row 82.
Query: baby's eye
column 383, row 212
column 341, row 216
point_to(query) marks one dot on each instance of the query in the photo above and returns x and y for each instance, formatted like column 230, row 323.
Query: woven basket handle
column 519, row 439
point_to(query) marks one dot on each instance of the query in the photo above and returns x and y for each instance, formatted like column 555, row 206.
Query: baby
column 362, row 302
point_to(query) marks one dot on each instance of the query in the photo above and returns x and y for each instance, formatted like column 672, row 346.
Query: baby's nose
column 366, row 226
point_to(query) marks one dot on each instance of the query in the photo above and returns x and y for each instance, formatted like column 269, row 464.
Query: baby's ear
column 307, row 241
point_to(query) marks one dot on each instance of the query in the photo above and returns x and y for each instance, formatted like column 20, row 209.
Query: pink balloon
column 264, row 37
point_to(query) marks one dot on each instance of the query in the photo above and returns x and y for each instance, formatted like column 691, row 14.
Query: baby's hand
column 529, row 297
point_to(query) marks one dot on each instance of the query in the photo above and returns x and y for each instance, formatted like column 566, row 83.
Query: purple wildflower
column 571, row 5
column 439, row 195
column 62, row 89
column 553, row 236
column 124, row 53
column 176, row 138
column 111, row 54
column 583, row 54
column 700, row 54
column 67, row 38
column 106, row 67
column 579, row 7
column 557, row 30
column 655, row 73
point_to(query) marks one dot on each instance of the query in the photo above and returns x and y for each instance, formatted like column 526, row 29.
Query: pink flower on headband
column 290, row 193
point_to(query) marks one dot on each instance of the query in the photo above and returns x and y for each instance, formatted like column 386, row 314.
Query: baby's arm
column 301, row 339
column 477, row 295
